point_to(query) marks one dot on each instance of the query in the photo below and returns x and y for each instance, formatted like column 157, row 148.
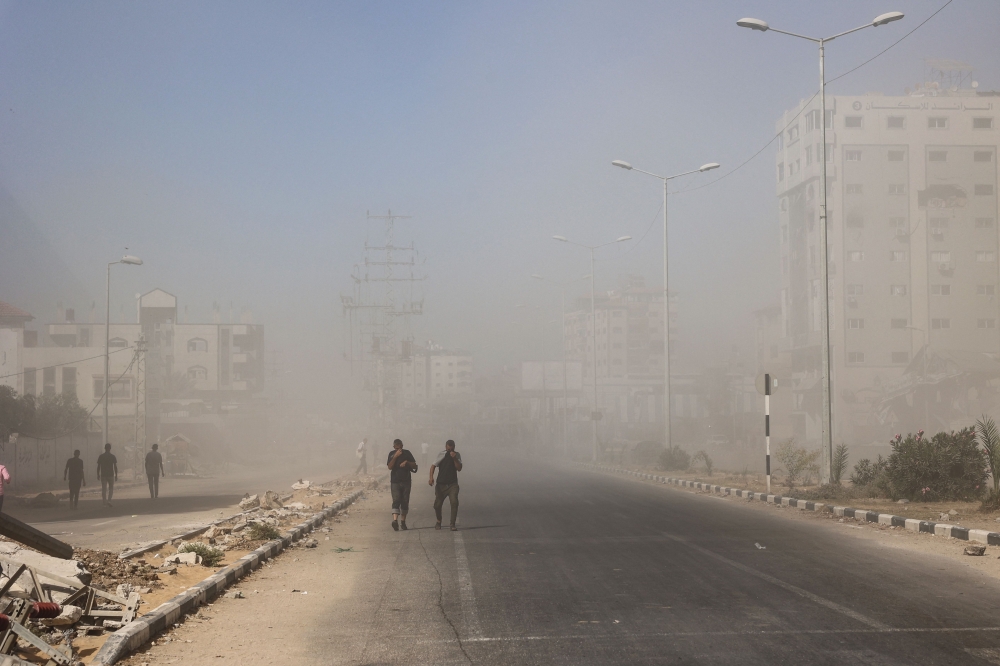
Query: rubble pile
column 109, row 572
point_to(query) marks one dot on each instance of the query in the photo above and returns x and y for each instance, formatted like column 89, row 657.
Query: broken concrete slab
column 60, row 567
column 250, row 502
column 183, row 558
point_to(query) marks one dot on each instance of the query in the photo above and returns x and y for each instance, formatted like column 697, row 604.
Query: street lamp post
column 133, row 261
column 593, row 324
column 762, row 26
column 666, row 289
column 562, row 300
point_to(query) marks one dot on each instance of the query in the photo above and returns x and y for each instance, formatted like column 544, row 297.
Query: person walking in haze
column 402, row 464
column 363, row 455
column 74, row 472
column 107, row 473
column 4, row 480
column 448, row 464
column 154, row 465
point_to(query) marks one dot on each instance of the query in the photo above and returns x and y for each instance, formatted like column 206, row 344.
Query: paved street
column 556, row 565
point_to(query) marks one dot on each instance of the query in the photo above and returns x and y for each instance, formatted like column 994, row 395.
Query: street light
column 562, row 298
column 762, row 26
column 593, row 320
column 666, row 288
column 132, row 261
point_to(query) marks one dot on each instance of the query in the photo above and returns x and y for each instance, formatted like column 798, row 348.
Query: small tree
column 989, row 437
column 675, row 458
column 839, row 463
column 868, row 473
column 705, row 459
column 795, row 460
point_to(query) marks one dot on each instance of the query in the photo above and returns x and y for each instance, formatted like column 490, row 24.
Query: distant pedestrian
column 74, row 472
column 154, row 465
column 402, row 464
column 107, row 472
column 4, row 480
column 363, row 456
column 423, row 453
column 448, row 464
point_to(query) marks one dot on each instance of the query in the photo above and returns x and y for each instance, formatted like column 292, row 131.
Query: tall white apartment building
column 913, row 250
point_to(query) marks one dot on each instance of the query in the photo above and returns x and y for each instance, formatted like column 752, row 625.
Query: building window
column 117, row 343
column 897, row 222
column 48, row 381
column 855, row 357
column 852, row 155
column 896, row 155
column 84, row 337
column 895, row 122
column 784, row 203
column 897, row 188
column 197, row 372
column 983, row 190
column 982, row 156
column 197, row 345
column 900, row 357
column 855, row 323
column 937, row 156
column 897, row 256
column 984, row 223
column 121, row 389
column 793, row 134
column 940, row 323
column 854, row 188
column 897, row 290
column 69, row 382
column 986, row 323
column 897, row 323
column 985, row 255
column 856, row 256
column 982, row 123
column 941, row 289
column 939, row 223
column 809, row 155
column 937, row 123
column 985, row 289
column 30, row 381
column 853, row 122
column 940, row 257
column 855, row 220
column 781, row 171
column 855, row 289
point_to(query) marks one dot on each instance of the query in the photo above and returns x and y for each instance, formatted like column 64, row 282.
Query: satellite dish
column 975, row 84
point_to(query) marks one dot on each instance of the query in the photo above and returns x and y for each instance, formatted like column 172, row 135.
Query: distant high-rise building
column 913, row 252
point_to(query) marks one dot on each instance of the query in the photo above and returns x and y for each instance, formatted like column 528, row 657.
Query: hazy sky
column 236, row 147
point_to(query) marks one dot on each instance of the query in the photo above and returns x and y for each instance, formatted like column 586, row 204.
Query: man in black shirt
column 107, row 472
column 448, row 464
column 402, row 464
column 74, row 471
column 154, row 465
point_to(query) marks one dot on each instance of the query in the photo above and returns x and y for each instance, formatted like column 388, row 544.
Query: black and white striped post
column 766, row 383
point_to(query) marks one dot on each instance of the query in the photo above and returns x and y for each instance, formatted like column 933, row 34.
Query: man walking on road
column 402, row 464
column 449, row 464
column 363, row 455
column 74, row 472
column 154, row 465
column 107, row 472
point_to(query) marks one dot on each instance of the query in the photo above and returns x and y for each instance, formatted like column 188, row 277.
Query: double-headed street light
column 132, row 261
column 762, row 26
column 666, row 288
column 593, row 318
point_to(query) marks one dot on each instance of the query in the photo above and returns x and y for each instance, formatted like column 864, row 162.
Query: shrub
column 948, row 467
column 704, row 459
column 675, row 458
column 795, row 461
column 262, row 532
column 867, row 473
column 210, row 557
column 839, row 463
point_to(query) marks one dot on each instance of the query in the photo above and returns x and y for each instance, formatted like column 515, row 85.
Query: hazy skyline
column 235, row 147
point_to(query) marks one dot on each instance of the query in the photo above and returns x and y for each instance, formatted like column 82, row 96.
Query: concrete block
column 912, row 524
column 885, row 519
column 982, row 536
column 942, row 529
column 838, row 511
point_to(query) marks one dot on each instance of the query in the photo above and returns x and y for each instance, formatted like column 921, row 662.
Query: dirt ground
column 261, row 628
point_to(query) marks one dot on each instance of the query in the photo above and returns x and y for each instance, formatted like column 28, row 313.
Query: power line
column 58, row 365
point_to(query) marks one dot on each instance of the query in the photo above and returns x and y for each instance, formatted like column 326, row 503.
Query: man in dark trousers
column 107, row 473
column 448, row 464
column 74, row 472
column 154, row 465
column 402, row 464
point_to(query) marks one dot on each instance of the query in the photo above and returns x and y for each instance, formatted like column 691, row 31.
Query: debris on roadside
column 760, row 547
column 975, row 550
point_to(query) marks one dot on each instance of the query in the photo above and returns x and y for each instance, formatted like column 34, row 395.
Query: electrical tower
column 139, row 442
column 378, row 313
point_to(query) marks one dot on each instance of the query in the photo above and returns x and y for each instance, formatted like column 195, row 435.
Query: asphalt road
column 183, row 502
column 553, row 565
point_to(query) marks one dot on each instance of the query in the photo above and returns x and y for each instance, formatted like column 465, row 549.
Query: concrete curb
column 927, row 527
column 141, row 630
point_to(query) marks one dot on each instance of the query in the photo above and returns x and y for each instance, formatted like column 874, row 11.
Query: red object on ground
column 44, row 610
column 4, row 623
